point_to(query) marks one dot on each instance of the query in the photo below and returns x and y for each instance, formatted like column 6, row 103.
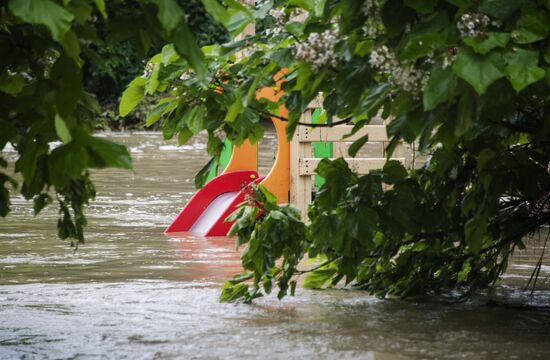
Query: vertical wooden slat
column 300, row 186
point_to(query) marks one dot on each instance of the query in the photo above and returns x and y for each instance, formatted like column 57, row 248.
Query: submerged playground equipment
column 291, row 178
column 206, row 211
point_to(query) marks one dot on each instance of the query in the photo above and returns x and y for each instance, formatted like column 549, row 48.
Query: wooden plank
column 316, row 103
column 300, row 186
column 339, row 149
column 361, row 166
column 335, row 134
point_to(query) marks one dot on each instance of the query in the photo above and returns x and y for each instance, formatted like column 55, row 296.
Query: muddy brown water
column 132, row 293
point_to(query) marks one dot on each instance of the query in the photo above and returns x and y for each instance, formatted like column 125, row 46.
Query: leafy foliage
column 50, row 49
column 467, row 80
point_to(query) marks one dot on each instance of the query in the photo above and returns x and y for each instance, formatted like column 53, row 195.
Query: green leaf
column 235, row 109
column 202, row 174
column 184, row 136
column 464, row 272
column 194, row 118
column 500, row 8
column 132, row 96
column 479, row 71
column 217, row 11
column 483, row 45
column 521, row 56
column 71, row 45
column 109, row 154
column 357, row 145
column 474, row 231
column 442, row 86
column 460, row 3
column 424, row 37
column 161, row 109
column 43, row 12
column 186, row 45
column 531, row 27
column 233, row 293
column 8, row 133
column 41, row 201
column 100, row 4
column 318, row 278
column 61, row 129
column 396, row 16
column 422, row 6
column 169, row 14
column 522, row 76
column 466, row 113
column 153, row 80
column 394, row 172
column 11, row 84
column 373, row 98
column 522, row 69
column 66, row 76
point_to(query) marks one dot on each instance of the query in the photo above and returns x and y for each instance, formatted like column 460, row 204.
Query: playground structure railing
column 303, row 162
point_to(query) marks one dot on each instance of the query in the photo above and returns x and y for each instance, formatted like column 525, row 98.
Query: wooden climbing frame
column 303, row 163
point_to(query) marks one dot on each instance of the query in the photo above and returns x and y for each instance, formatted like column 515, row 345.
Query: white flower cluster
column 318, row 50
column 370, row 6
column 148, row 70
column 373, row 26
column 185, row 76
column 473, row 24
column 298, row 14
column 279, row 16
column 405, row 77
column 448, row 60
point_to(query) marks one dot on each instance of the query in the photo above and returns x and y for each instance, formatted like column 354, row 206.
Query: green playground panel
column 321, row 149
column 225, row 156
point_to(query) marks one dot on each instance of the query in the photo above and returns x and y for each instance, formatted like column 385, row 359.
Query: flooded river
column 131, row 292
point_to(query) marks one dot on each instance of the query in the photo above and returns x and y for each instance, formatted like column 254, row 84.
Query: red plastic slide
column 207, row 210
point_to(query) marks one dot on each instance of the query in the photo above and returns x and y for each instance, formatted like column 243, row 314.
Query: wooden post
column 300, row 186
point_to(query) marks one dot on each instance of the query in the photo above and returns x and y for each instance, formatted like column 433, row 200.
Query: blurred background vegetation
column 109, row 67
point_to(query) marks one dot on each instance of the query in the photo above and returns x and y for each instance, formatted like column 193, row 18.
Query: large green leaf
column 318, row 278
column 61, row 129
column 500, row 8
column 235, row 109
column 186, row 45
column 169, row 14
column 132, row 96
column 522, row 76
column 475, row 231
column 217, row 11
column 108, row 154
column 531, row 27
column 488, row 42
column 424, row 37
column 66, row 76
column 100, row 4
column 194, row 118
column 396, row 16
column 479, row 71
column 522, row 68
column 442, row 86
column 11, row 84
column 43, row 12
